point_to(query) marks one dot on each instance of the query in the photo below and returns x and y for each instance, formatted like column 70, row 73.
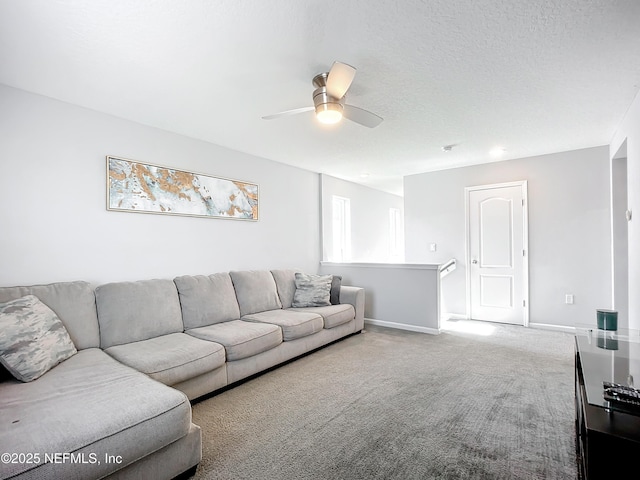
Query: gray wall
column 54, row 222
column 629, row 131
column 369, row 219
column 397, row 295
column 569, row 230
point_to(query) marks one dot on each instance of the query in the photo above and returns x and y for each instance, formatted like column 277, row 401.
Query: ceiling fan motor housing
column 322, row 101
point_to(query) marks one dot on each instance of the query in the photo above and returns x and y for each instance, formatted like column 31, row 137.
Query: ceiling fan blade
column 339, row 80
column 363, row 117
column 286, row 113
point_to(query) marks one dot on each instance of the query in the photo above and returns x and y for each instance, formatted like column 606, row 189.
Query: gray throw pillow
column 312, row 290
column 33, row 339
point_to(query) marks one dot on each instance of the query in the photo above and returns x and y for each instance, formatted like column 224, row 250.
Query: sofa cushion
column 74, row 304
column 33, row 339
column 294, row 324
column 312, row 290
column 256, row 291
column 241, row 339
column 286, row 285
column 206, row 300
column 89, row 404
column 133, row 311
column 333, row 315
column 172, row 358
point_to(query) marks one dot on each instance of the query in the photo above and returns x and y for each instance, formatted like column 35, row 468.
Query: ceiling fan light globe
column 329, row 117
column 329, row 113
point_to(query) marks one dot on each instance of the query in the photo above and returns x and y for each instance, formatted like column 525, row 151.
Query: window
column 341, row 251
column 396, row 235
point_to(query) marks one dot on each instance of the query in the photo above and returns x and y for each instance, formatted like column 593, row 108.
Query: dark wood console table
column 607, row 434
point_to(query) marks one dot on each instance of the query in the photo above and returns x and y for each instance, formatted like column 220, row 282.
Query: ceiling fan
column 329, row 99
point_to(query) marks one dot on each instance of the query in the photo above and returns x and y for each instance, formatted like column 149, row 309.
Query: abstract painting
column 145, row 188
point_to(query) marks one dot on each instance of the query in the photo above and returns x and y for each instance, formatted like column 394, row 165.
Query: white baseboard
column 434, row 331
column 403, row 326
column 557, row 328
column 454, row 316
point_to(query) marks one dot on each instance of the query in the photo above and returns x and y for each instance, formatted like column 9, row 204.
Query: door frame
column 525, row 241
column 619, row 186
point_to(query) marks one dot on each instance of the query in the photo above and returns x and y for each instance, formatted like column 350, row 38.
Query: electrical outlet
column 568, row 299
column 433, row 247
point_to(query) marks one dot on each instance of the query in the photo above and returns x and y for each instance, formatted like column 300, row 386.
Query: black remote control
column 622, row 394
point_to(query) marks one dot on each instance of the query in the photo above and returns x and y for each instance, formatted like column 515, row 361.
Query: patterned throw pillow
column 312, row 290
column 33, row 340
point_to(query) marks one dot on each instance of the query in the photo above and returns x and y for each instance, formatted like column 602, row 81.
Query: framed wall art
column 145, row 188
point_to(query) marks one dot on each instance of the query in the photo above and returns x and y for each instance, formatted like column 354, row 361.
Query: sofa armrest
column 355, row 297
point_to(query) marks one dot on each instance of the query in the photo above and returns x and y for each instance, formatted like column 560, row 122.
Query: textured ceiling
column 531, row 76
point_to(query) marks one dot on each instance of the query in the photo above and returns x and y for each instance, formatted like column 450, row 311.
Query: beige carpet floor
column 480, row 401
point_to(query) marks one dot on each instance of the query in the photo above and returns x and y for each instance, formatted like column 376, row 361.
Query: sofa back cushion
column 256, row 291
column 286, row 284
column 206, row 300
column 73, row 302
column 133, row 311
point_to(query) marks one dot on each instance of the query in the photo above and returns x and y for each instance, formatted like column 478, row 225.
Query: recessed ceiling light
column 497, row 151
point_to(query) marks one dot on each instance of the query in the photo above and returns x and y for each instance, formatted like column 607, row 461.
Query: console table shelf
column 607, row 438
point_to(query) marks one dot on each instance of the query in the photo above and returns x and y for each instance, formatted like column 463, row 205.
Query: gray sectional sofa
column 120, row 407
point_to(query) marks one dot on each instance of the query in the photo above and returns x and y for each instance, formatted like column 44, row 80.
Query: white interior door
column 496, row 253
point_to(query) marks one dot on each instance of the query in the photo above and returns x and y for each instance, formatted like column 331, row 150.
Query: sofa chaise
column 120, row 407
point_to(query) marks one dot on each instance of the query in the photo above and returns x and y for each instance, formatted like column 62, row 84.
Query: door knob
column 474, row 261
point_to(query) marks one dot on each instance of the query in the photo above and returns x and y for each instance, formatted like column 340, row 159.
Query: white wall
column 54, row 225
column 369, row 219
column 569, row 230
column 629, row 131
